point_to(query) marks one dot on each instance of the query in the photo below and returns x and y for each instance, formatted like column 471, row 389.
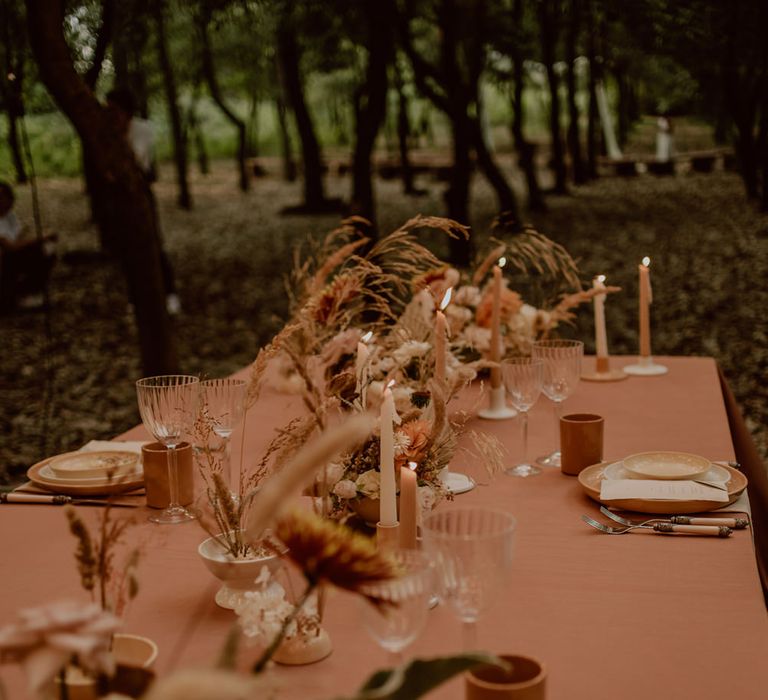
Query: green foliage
column 419, row 677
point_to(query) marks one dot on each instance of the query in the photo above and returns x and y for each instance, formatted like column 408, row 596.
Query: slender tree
column 594, row 75
column 118, row 181
column 204, row 17
column 180, row 158
column 549, row 25
column 574, row 132
column 12, row 53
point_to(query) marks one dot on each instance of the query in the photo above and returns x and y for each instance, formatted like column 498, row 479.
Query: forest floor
column 231, row 253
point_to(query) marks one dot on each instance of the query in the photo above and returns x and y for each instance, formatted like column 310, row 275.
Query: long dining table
column 633, row 617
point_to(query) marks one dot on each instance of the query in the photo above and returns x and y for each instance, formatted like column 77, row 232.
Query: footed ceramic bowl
column 237, row 575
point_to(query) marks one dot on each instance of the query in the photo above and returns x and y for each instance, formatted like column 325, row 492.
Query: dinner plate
column 715, row 474
column 45, row 479
column 590, row 478
column 668, row 466
column 93, row 465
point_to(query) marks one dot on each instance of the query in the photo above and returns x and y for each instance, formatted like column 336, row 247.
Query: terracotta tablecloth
column 640, row 616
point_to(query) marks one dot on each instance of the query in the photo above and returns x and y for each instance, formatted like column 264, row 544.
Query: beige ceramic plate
column 93, row 465
column 667, row 465
column 590, row 479
column 40, row 476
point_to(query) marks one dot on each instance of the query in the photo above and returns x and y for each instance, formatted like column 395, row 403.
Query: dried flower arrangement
column 112, row 586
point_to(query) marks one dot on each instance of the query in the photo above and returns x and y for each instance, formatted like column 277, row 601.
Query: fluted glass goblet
column 473, row 549
column 224, row 401
column 168, row 404
column 562, row 371
column 523, row 377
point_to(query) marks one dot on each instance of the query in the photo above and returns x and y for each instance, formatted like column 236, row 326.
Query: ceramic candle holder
column 525, row 679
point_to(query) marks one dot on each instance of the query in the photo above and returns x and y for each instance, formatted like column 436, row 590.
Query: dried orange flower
column 417, row 433
column 511, row 303
column 334, row 297
column 328, row 552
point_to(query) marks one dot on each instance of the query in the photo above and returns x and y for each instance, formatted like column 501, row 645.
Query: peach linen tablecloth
column 639, row 616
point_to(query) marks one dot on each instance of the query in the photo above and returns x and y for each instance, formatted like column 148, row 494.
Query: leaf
column 418, row 677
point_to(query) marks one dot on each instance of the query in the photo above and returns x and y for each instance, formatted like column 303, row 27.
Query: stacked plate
column 89, row 473
column 664, row 466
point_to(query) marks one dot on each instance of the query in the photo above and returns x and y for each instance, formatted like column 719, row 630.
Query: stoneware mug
column 581, row 442
column 524, row 680
column 155, row 457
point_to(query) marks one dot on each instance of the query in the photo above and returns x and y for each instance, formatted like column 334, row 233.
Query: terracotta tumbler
column 525, row 680
column 581, row 442
column 155, row 456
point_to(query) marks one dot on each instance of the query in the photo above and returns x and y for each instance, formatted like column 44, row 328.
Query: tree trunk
column 253, row 128
column 457, row 194
column 103, row 39
column 209, row 72
column 548, row 42
column 594, row 75
column 196, row 133
column 507, row 202
column 174, row 115
column 286, row 149
column 118, row 180
column 14, row 113
column 371, row 105
column 526, row 152
column 290, row 75
column 622, row 85
column 403, row 134
column 574, row 135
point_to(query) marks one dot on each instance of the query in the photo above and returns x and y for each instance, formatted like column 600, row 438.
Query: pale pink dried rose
column 345, row 489
column 45, row 639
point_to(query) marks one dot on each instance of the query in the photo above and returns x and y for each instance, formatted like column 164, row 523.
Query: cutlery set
column 60, row 500
column 676, row 524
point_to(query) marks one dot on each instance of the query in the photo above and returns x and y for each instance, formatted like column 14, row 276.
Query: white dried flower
column 345, row 489
column 333, row 472
column 369, row 483
column 427, row 499
column 478, row 338
column 261, row 613
column 468, row 295
column 402, row 442
column 410, row 350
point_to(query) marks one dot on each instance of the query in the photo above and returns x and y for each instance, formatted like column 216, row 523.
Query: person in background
column 141, row 137
column 25, row 264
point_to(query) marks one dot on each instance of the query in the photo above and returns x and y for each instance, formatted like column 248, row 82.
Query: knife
column 59, row 500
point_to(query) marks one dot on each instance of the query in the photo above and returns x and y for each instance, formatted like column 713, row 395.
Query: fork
column 733, row 523
column 663, row 528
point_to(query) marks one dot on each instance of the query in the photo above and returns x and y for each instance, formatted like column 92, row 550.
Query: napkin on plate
column 113, row 445
column 655, row 489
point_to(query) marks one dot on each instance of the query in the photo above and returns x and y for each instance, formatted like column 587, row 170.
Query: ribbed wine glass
column 523, row 377
column 224, row 400
column 404, row 602
column 473, row 550
column 562, row 370
column 168, row 404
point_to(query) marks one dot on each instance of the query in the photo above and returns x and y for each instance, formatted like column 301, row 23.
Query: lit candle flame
column 446, row 299
column 412, row 466
column 391, row 383
column 11, row 77
column 601, row 279
column 502, row 261
column 647, row 261
column 367, row 337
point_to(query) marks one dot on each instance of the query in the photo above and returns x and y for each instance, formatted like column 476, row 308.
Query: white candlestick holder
column 646, row 367
column 497, row 408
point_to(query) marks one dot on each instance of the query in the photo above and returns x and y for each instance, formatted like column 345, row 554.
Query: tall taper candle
column 441, row 332
column 601, row 337
column 387, row 490
column 495, row 354
column 408, row 506
column 645, row 301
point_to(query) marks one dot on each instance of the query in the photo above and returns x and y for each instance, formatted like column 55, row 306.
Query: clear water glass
column 562, row 371
column 473, row 549
column 523, row 378
column 168, row 405
column 398, row 619
column 224, row 400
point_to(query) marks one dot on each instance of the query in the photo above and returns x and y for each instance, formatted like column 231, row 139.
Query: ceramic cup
column 581, row 442
column 155, row 456
column 525, row 680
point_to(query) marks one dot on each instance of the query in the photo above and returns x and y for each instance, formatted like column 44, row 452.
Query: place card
column 654, row 489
